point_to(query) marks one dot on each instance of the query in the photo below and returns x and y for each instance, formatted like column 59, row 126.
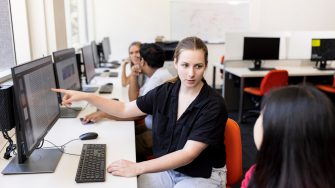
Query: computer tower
column 7, row 121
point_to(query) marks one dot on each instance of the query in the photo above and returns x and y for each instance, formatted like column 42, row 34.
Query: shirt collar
column 199, row 100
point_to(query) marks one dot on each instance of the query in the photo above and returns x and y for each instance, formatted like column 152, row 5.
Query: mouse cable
column 11, row 147
column 61, row 147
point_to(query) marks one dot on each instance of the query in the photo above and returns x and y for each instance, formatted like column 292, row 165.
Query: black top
column 203, row 121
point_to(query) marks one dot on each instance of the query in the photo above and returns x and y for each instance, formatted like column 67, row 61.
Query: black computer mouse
column 110, row 83
column 106, row 70
column 88, row 136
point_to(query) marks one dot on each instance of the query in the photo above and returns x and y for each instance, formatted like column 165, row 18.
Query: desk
column 243, row 73
column 118, row 135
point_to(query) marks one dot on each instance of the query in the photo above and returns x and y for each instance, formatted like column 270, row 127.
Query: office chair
column 327, row 88
column 273, row 79
column 232, row 141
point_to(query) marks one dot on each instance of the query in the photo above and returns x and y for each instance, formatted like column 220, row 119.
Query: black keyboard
column 92, row 164
column 106, row 89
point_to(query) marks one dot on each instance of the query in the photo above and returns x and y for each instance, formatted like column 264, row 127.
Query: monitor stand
column 69, row 112
column 257, row 67
column 40, row 161
column 323, row 65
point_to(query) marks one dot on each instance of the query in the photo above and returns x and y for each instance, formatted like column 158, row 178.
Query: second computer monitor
column 106, row 48
column 322, row 51
column 87, row 54
column 95, row 54
column 66, row 69
column 260, row 48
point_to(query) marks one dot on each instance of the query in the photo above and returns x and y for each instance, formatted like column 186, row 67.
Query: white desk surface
column 292, row 71
column 118, row 135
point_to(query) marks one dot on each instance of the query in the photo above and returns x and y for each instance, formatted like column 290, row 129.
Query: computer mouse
column 106, row 70
column 109, row 83
column 88, row 136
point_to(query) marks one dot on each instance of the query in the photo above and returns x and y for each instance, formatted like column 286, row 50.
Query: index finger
column 58, row 90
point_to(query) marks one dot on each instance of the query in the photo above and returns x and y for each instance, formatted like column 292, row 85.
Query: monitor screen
column 66, row 69
column 106, row 48
column 95, row 54
column 261, row 48
column 87, row 53
column 169, row 48
column 323, row 49
column 38, row 110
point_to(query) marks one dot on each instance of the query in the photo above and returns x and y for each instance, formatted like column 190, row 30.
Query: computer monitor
column 106, row 48
column 87, row 54
column 169, row 48
column 66, row 69
column 38, row 110
column 67, row 77
column 95, row 54
column 322, row 51
column 261, row 48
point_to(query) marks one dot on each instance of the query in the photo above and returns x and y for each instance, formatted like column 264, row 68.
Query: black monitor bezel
column 88, row 80
column 321, row 62
column 105, row 43
column 257, row 59
column 274, row 39
column 23, row 150
column 96, row 58
column 58, row 57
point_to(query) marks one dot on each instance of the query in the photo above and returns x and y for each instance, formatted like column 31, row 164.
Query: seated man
column 151, row 65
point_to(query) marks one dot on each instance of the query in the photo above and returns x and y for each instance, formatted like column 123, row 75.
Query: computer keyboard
column 92, row 164
column 106, row 89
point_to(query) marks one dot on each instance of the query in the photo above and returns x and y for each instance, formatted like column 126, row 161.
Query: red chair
column 273, row 79
column 232, row 141
column 327, row 88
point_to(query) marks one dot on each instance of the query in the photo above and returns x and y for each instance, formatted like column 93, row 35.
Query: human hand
column 94, row 117
column 124, row 168
column 71, row 96
column 126, row 61
column 136, row 70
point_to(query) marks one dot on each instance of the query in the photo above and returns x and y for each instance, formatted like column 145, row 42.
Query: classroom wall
column 127, row 21
column 296, row 15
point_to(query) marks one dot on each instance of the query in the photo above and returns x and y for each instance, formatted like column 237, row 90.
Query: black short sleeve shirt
column 204, row 121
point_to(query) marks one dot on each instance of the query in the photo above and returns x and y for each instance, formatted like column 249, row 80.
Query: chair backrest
column 274, row 79
column 232, row 141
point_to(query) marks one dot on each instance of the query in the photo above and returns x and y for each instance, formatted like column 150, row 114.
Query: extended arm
column 173, row 160
column 113, row 107
column 96, row 116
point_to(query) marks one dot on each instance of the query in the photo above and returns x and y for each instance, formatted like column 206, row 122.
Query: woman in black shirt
column 188, row 125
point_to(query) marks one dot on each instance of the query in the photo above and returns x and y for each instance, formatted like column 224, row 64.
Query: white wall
column 297, row 15
column 131, row 20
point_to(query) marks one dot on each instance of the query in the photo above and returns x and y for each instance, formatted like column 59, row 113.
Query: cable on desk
column 62, row 147
column 11, row 147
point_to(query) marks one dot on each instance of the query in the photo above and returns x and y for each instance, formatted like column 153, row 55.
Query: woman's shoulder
column 247, row 176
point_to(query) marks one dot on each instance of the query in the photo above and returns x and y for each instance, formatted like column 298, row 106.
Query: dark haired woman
column 295, row 136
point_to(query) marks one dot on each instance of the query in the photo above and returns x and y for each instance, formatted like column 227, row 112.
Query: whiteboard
column 208, row 20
